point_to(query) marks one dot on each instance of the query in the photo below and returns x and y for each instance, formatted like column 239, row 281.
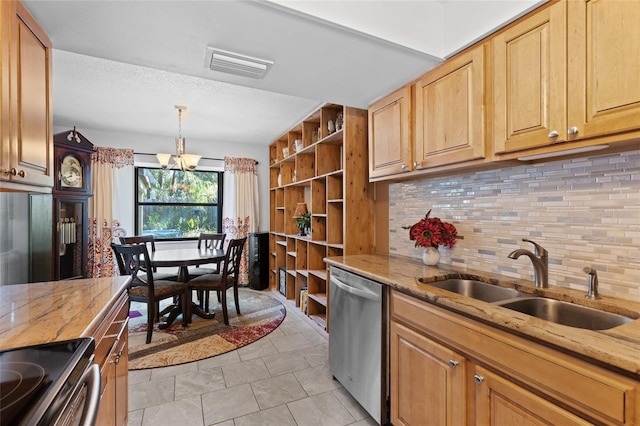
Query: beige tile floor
column 282, row 379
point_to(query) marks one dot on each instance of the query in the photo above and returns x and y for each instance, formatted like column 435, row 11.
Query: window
column 174, row 205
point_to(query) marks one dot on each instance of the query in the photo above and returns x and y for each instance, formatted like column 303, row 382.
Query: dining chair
column 209, row 242
column 226, row 279
column 149, row 241
column 131, row 259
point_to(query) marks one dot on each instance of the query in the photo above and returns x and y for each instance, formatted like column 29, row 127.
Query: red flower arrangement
column 432, row 232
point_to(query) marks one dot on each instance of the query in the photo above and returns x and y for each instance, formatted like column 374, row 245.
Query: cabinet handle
column 572, row 130
column 478, row 379
column 453, row 363
column 21, row 173
column 553, row 134
column 404, row 166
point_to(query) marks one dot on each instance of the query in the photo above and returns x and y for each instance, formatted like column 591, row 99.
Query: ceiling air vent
column 235, row 63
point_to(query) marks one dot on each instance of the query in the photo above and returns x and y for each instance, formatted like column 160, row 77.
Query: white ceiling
column 123, row 65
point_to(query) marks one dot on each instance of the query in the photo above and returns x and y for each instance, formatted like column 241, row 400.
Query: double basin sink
column 552, row 310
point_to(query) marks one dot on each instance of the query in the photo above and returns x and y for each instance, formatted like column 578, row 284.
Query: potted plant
column 303, row 222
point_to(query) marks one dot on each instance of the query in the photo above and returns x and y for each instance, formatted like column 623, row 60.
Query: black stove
column 37, row 383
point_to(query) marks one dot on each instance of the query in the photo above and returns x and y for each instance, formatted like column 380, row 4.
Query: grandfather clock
column 71, row 192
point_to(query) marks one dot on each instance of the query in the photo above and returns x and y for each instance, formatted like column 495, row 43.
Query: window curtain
column 103, row 227
column 240, row 209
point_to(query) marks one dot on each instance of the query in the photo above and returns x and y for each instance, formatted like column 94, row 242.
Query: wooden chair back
column 211, row 241
column 140, row 239
column 233, row 257
column 133, row 260
column 146, row 240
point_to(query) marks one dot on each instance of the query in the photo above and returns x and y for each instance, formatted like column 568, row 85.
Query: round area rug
column 260, row 315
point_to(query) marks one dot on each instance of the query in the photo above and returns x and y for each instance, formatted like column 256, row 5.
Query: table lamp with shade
column 303, row 218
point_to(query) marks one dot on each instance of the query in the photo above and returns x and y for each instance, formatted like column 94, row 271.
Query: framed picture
column 282, row 281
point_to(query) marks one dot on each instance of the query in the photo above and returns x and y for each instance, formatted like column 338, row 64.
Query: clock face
column 71, row 172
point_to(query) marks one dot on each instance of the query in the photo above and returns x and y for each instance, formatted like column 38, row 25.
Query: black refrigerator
column 26, row 237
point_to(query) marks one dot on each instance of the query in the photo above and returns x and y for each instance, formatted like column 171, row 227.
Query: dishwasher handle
column 355, row 291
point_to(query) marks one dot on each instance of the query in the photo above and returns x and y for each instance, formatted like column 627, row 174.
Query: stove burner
column 19, row 382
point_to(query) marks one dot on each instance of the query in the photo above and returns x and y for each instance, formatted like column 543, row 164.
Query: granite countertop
column 618, row 347
column 52, row 311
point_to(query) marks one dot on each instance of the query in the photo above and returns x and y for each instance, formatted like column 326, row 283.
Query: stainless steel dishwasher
column 358, row 341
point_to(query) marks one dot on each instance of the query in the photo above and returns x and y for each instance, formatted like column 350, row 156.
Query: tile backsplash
column 585, row 212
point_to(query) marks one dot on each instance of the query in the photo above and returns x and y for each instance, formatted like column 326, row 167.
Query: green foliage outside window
column 175, row 204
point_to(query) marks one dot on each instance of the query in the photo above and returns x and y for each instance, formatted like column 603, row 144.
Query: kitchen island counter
column 616, row 348
column 51, row 311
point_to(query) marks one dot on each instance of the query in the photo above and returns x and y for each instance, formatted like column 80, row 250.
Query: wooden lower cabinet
column 112, row 356
column 499, row 402
column 438, row 400
column 448, row 369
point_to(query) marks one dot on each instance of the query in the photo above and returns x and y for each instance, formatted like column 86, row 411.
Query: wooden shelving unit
column 330, row 174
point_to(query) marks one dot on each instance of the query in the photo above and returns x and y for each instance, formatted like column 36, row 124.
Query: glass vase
column 431, row 256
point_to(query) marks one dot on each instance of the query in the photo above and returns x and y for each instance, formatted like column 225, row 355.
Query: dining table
column 182, row 258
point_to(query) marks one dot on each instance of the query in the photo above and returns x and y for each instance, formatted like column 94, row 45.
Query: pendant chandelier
column 185, row 162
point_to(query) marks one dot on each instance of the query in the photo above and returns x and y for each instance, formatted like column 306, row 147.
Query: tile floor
column 282, row 379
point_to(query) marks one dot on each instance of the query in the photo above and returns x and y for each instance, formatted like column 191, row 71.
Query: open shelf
column 320, row 319
column 319, row 297
column 309, row 164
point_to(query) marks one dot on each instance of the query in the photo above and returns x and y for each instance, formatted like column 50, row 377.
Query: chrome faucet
column 540, row 261
column 592, row 290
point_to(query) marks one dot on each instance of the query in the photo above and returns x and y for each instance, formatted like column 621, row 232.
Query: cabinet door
column 450, row 113
column 390, row 134
column 604, row 63
column 427, row 380
column 500, row 402
column 529, row 82
column 31, row 139
column 7, row 13
column 121, row 377
column 106, row 412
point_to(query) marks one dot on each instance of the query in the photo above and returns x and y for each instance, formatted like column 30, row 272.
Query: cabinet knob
column 415, row 164
column 478, row 379
column 21, row 173
column 553, row 134
column 13, row 172
column 572, row 130
column 404, row 166
column 453, row 363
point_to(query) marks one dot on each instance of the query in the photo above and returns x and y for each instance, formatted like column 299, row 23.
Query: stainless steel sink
column 475, row 289
column 566, row 313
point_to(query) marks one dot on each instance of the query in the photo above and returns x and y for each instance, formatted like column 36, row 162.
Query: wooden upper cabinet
column 7, row 12
column 450, row 113
column 529, row 82
column 603, row 66
column 390, row 124
column 567, row 73
column 27, row 139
